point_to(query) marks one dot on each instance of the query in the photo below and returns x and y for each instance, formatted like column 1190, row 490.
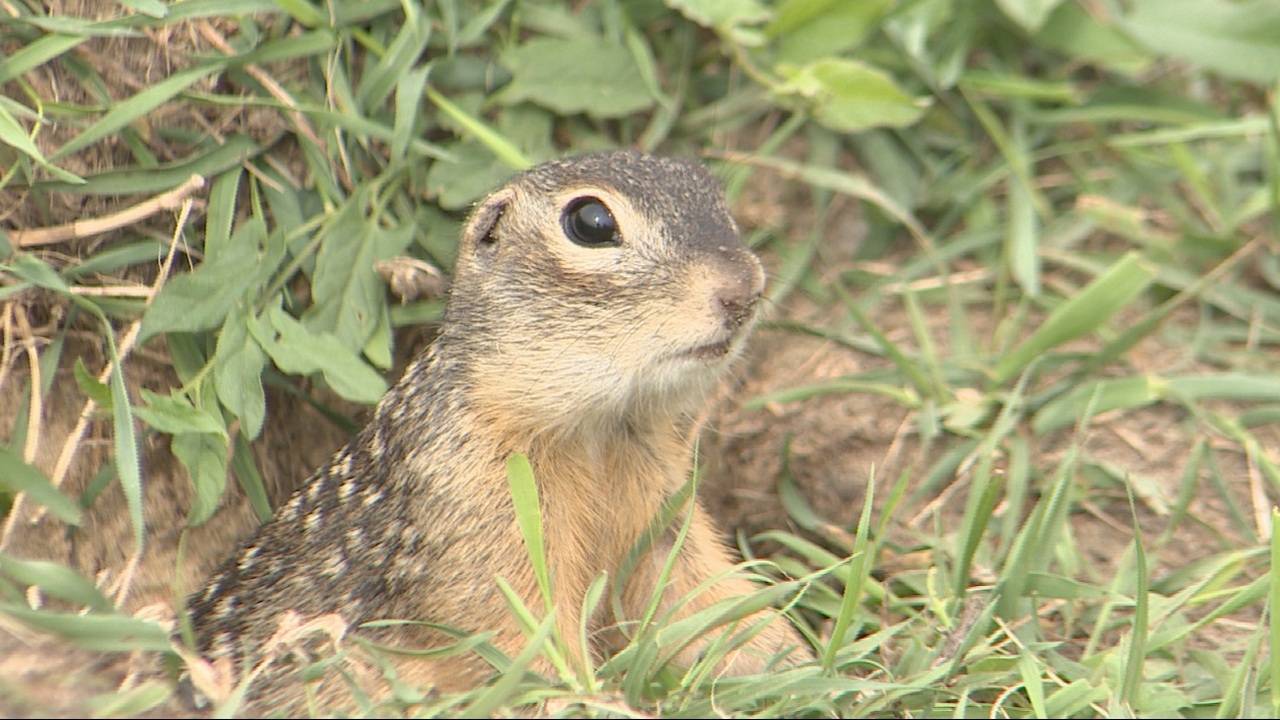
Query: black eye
column 589, row 223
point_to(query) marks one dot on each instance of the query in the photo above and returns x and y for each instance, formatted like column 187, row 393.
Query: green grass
column 1070, row 215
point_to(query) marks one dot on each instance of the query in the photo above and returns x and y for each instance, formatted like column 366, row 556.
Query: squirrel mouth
column 711, row 351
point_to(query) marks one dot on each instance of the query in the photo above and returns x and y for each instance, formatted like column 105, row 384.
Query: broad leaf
column 237, row 374
column 576, row 75
column 349, row 295
column 848, row 96
column 201, row 299
column 806, row 30
column 175, row 414
column 731, row 17
column 204, row 455
column 296, row 350
column 1030, row 14
column 1240, row 39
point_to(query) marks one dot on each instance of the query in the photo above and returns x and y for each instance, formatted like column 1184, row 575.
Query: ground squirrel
column 596, row 304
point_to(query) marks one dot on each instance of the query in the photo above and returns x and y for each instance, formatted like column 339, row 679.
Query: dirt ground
column 835, row 439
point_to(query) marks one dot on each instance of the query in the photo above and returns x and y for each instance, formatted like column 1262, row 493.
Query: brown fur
column 597, row 363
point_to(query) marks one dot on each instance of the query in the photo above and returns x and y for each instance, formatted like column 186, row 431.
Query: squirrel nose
column 741, row 290
column 738, row 308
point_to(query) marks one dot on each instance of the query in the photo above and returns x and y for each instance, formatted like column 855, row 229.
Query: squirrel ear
column 479, row 229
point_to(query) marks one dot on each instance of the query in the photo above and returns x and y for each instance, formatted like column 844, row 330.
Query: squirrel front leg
column 701, row 557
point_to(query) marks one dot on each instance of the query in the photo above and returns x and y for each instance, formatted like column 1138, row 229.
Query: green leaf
column 727, row 16
column 378, row 348
column 848, row 96
column 134, row 702
column 793, row 500
column 288, row 48
column 1075, row 697
column 250, row 480
column 130, row 109
column 237, row 373
column 174, row 414
column 806, row 30
column 97, row 631
column 16, row 476
column 1032, row 682
column 304, row 12
column 498, row 145
column 211, row 160
column 1075, row 31
column 409, row 91
column 1136, row 642
column 1080, row 314
column 524, row 495
column 576, row 75
column 32, row 55
column 12, row 134
column 1237, row 39
column 489, row 699
column 128, row 466
column 1030, row 14
column 204, row 455
column 296, row 350
column 1102, row 396
column 397, row 62
column 56, row 580
column 1234, row 386
column 89, row 385
column 201, row 299
column 349, row 296
column 1057, row 586
column 220, row 218
column 1010, row 85
column 150, row 8
column 105, row 261
column 474, row 173
column 35, row 271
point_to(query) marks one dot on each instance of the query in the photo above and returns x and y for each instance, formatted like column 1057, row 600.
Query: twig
column 77, row 229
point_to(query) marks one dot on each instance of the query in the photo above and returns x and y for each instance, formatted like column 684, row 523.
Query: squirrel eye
column 589, row 223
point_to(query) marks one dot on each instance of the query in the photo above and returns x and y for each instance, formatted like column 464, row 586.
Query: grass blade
column 497, row 144
column 135, row 107
column 1082, row 313
column 1135, row 657
column 524, row 493
column 16, row 477
column 859, row 568
column 56, row 580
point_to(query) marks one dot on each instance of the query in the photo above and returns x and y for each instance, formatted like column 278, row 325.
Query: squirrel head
column 601, row 288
